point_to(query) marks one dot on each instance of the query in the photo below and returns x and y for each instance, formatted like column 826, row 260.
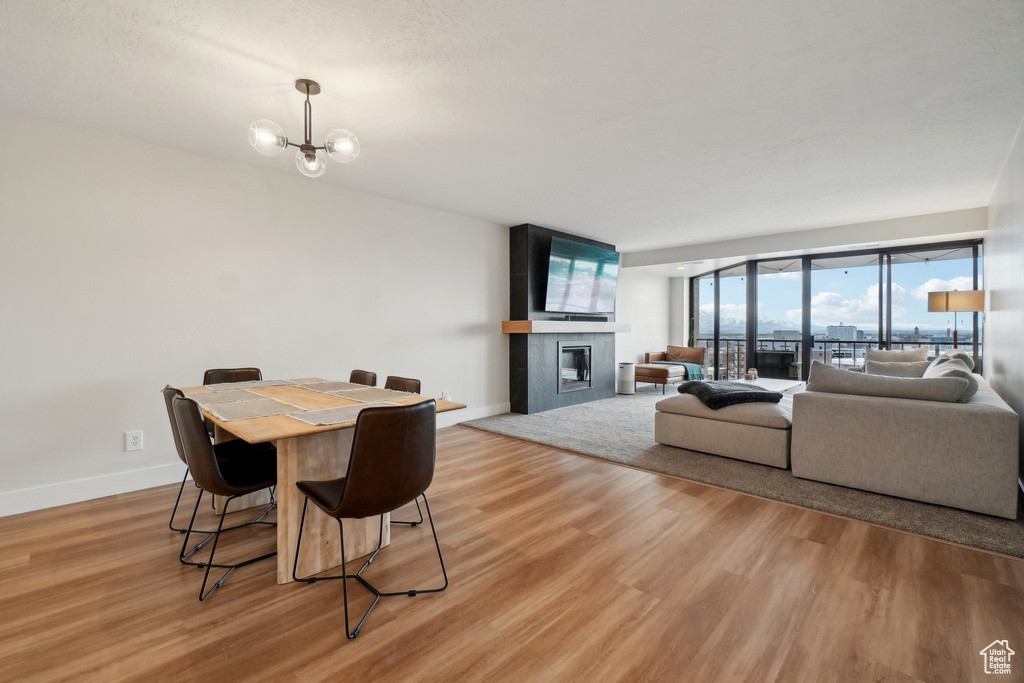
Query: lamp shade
column 938, row 302
column 956, row 302
column 971, row 300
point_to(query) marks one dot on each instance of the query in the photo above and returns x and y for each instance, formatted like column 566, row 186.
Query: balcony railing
column 732, row 357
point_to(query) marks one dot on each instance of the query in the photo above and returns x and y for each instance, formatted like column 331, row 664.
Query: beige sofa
column 960, row 454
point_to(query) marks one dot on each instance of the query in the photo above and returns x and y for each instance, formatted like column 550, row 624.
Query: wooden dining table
column 307, row 451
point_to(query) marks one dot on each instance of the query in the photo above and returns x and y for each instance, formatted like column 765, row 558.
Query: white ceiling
column 641, row 124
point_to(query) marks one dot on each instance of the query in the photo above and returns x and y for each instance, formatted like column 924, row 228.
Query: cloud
column 782, row 276
column 936, row 285
column 830, row 308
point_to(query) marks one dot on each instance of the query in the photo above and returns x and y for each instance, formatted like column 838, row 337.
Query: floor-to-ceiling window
column 847, row 295
column 832, row 308
column 704, row 319
column 779, row 318
column 732, row 322
column 914, row 275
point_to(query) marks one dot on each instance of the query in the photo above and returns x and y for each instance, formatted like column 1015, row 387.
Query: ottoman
column 755, row 432
column 659, row 374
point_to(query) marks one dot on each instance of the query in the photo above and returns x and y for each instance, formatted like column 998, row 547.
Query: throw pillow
column 831, row 380
column 907, row 356
column 958, row 354
column 683, row 353
column 956, row 368
column 911, row 369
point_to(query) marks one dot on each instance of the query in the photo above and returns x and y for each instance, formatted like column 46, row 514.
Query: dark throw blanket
column 717, row 395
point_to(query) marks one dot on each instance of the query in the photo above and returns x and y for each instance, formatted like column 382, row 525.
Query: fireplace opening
column 573, row 367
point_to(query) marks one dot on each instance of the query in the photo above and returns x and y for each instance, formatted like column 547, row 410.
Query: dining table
column 311, row 422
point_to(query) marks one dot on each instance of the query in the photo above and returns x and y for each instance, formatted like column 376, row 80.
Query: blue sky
column 851, row 297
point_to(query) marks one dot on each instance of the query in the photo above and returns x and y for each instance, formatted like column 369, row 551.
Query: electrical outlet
column 133, row 441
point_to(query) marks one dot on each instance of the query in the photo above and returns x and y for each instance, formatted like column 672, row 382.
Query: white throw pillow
column 958, row 354
column 907, row 369
column 906, row 356
column 955, row 368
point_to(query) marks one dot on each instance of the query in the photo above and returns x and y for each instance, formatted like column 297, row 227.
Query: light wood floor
column 562, row 568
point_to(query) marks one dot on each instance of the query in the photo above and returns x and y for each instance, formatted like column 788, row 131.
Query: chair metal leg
column 183, row 555
column 418, row 510
column 358, row 576
column 440, row 558
column 177, row 500
column 203, row 593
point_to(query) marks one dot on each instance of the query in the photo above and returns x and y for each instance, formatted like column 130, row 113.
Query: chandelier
column 268, row 138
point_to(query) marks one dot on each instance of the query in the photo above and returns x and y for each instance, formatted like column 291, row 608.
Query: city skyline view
column 847, row 296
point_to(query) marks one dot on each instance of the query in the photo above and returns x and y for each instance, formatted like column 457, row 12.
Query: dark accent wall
column 533, row 358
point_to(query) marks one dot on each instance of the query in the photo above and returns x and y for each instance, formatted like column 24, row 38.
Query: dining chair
column 226, row 375
column 230, row 477
column 403, row 384
column 363, row 377
column 229, row 450
column 391, row 464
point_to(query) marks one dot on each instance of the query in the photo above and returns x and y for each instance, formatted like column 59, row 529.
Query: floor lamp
column 954, row 302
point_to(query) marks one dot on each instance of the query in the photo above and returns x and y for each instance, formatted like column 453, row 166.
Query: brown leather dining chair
column 402, row 384
column 229, row 450
column 225, row 375
column 363, row 377
column 228, row 375
column 230, row 477
column 391, row 464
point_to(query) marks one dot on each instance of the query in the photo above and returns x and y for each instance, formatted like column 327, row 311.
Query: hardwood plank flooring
column 562, row 568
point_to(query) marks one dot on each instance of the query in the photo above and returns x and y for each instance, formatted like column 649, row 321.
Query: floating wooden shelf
column 559, row 326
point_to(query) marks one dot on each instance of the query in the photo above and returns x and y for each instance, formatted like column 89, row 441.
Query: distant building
column 841, row 332
column 786, row 335
column 860, row 335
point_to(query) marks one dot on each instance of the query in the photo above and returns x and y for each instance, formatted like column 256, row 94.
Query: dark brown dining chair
column 228, row 375
column 402, row 384
column 231, row 478
column 391, row 464
column 363, row 377
column 229, row 450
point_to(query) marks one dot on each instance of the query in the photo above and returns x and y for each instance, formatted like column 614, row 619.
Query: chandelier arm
column 308, row 118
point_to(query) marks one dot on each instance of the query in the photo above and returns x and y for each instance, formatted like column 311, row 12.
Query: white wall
column 1004, row 280
column 642, row 300
column 126, row 266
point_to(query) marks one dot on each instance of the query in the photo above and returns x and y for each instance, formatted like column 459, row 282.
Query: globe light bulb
column 312, row 166
column 267, row 138
column 342, row 146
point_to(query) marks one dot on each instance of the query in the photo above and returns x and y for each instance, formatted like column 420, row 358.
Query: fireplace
column 574, row 366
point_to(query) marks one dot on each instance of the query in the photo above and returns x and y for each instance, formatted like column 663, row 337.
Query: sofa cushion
column 956, row 368
column 907, row 356
column 824, row 378
column 958, row 354
column 683, row 353
column 895, row 369
column 770, row 415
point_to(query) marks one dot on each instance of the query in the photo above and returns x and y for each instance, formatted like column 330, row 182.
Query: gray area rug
column 621, row 429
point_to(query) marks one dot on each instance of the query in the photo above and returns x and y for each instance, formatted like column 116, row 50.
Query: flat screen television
column 581, row 278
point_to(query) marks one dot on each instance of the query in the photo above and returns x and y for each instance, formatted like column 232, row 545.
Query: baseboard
column 64, row 492
column 456, row 416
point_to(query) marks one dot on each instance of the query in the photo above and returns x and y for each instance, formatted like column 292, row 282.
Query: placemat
column 370, row 394
column 244, row 410
column 333, row 416
column 207, row 397
column 224, row 386
column 329, row 387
